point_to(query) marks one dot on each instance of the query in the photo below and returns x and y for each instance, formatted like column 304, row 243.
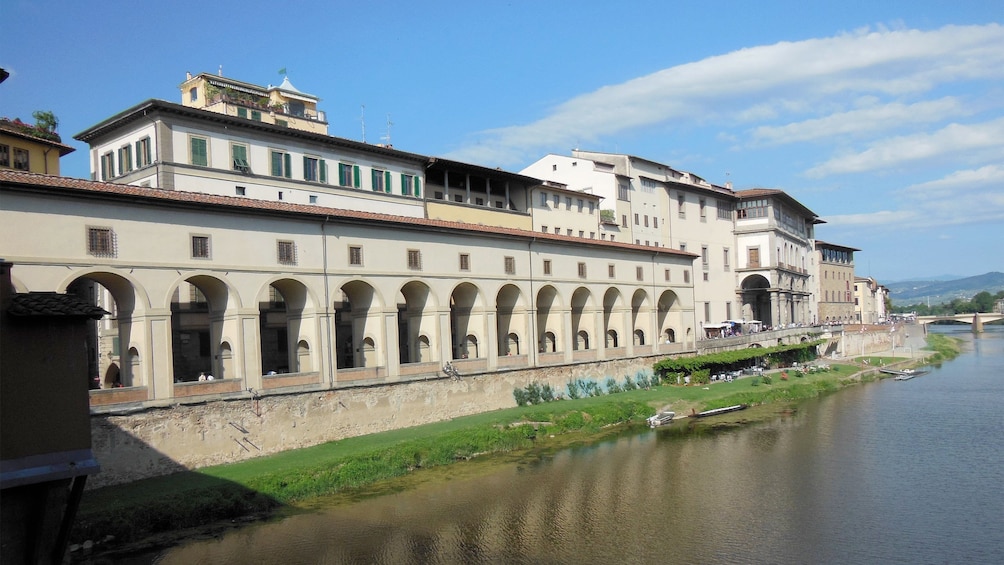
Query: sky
column 886, row 119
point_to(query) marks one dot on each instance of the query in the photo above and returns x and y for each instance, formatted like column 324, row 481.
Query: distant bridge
column 977, row 319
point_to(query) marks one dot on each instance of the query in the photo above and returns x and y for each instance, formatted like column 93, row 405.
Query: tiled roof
column 36, row 304
column 250, row 205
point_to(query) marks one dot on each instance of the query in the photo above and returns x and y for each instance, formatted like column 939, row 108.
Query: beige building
column 870, row 301
column 834, row 283
column 774, row 235
column 25, row 147
column 653, row 205
column 326, row 297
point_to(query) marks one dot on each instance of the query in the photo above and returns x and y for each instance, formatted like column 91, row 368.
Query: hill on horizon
column 904, row 293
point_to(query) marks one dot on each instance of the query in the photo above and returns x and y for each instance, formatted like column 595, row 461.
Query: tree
column 45, row 120
column 983, row 302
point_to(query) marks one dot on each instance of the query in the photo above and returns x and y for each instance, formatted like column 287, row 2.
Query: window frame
column 465, row 261
column 192, row 156
column 200, row 242
column 356, row 255
column 101, row 241
column 509, row 265
column 285, row 252
column 414, row 258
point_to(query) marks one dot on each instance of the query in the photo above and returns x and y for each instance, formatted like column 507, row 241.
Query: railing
column 290, row 379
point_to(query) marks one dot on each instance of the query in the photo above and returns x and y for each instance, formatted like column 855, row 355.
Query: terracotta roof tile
column 36, row 304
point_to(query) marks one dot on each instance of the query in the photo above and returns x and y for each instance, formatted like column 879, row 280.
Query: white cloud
column 864, row 120
column 757, row 83
column 953, row 139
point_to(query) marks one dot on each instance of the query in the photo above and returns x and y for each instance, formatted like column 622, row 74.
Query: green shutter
column 200, row 156
column 242, row 112
column 322, row 170
column 418, row 186
column 306, row 168
column 387, row 183
column 355, row 175
column 276, row 164
column 289, row 165
column 374, row 179
column 404, row 184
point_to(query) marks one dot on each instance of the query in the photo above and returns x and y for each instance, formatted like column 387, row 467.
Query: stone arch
column 582, row 317
column 510, row 319
column 357, row 315
column 548, row 319
column 199, row 307
column 112, row 377
column 612, row 320
column 126, row 301
column 304, row 358
column 612, row 339
column 225, row 366
column 668, row 315
column 416, row 316
column 639, row 337
column 670, row 335
column 756, row 299
column 641, row 316
column 286, row 307
column 467, row 320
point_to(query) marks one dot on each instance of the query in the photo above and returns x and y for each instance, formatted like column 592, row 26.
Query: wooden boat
column 661, row 418
column 717, row 411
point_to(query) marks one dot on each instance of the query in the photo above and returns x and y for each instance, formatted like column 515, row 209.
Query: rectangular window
column 636, row 219
column 380, row 180
column 557, row 201
column 510, row 265
column 356, row 255
column 107, row 166
column 579, row 203
column 686, row 276
column 753, row 254
column 683, row 246
column 666, row 274
column 21, row 159
column 256, row 115
column 125, row 159
column 200, row 247
column 752, row 209
column 611, row 271
column 707, row 311
column 143, row 153
column 543, row 199
column 725, row 256
column 414, row 259
column 592, row 207
column 239, row 156
column 639, row 273
column 4, row 155
column 655, row 222
column 240, row 191
column 703, row 209
column 285, row 252
column 282, row 164
column 582, row 233
column 568, row 203
column 646, row 221
column 557, row 230
column 724, row 209
column 704, row 257
column 568, row 232
column 348, row 175
column 624, row 220
column 101, row 242
column 622, row 192
column 543, row 229
column 199, row 151
column 242, row 112
column 728, row 310
column 582, row 270
column 547, row 266
column 465, row 261
column 706, row 277
column 408, row 185
column 312, row 199
column 311, row 168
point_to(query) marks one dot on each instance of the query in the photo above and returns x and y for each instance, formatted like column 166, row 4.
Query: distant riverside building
column 835, row 283
column 870, row 301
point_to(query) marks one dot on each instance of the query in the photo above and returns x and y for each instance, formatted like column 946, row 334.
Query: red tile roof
column 250, row 205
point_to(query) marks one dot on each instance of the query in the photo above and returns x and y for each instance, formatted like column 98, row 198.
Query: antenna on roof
column 386, row 138
column 362, row 119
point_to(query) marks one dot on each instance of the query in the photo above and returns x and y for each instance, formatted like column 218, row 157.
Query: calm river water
column 888, row 472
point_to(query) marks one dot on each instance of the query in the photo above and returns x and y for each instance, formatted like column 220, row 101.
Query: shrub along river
column 886, row 472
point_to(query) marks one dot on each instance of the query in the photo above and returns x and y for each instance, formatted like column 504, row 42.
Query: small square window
column 415, row 259
column 200, row 247
column 639, row 273
column 547, row 266
column 101, row 242
column 510, row 265
column 465, row 262
column 686, row 276
column 286, row 252
column 667, row 275
column 240, row 191
column 312, row 198
column 355, row 255
column 611, row 272
column 582, row 270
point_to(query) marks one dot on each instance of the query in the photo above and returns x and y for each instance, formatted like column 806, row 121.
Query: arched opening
column 670, row 335
column 225, row 368
column 613, row 321
column 466, row 318
column 546, row 318
column 756, row 300
column 639, row 337
column 549, row 344
column 424, row 349
column 612, row 339
column 198, row 307
column 581, row 320
column 281, row 309
column 368, row 352
column 470, row 347
column 304, row 362
column 356, row 315
column 512, row 344
column 107, row 366
column 113, row 377
column 582, row 340
column 415, row 317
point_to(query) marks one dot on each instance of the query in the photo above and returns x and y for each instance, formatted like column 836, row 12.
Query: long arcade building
column 281, row 296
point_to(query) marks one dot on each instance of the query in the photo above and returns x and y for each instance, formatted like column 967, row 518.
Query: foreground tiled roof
column 250, row 205
column 37, row 304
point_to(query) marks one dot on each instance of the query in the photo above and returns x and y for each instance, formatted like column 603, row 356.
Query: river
column 886, row 472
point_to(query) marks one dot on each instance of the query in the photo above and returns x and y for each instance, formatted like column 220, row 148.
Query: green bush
column 767, row 380
column 629, row 384
column 700, row 377
column 612, row 386
column 520, row 396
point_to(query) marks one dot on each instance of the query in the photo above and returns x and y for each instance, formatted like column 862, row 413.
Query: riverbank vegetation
column 258, row 486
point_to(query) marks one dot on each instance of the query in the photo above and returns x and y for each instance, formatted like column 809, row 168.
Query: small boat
column 905, row 374
column 718, row 411
column 661, row 418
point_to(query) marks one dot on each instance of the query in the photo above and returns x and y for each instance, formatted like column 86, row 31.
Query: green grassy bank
column 137, row 510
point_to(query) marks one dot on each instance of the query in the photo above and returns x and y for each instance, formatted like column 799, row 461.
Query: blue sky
column 884, row 118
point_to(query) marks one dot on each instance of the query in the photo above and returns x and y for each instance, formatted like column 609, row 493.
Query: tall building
column 835, row 283
column 870, row 301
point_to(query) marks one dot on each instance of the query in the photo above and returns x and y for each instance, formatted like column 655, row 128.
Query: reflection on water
column 906, row 472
